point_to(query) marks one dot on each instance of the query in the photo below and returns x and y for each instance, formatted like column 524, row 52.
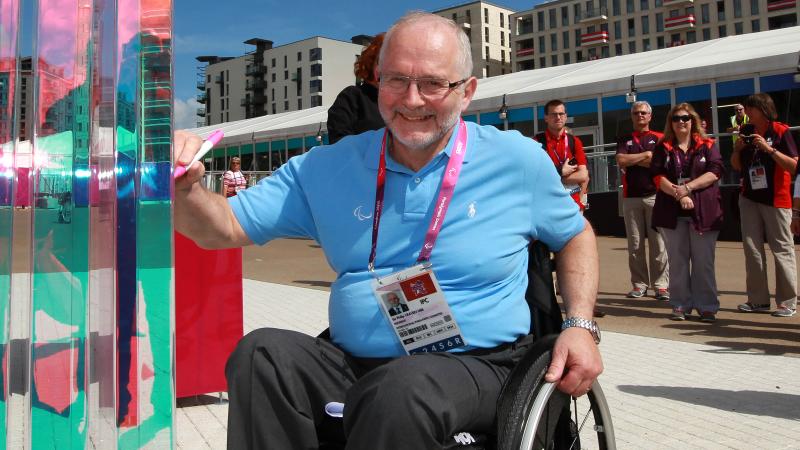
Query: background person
column 767, row 158
column 634, row 153
column 233, row 180
column 738, row 119
column 393, row 400
column 686, row 168
column 564, row 149
column 355, row 109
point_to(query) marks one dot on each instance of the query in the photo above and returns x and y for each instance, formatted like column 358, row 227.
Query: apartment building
column 271, row 80
column 488, row 27
column 567, row 31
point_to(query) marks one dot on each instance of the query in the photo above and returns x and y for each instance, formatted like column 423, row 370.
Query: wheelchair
column 533, row 414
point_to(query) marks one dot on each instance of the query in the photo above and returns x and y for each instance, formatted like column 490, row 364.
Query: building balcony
column 201, row 98
column 525, row 52
column 464, row 22
column 596, row 38
column 201, row 85
column 258, row 99
column 255, row 69
column 201, row 112
column 676, row 3
column 777, row 5
column 684, row 22
column 244, row 102
column 593, row 16
column 255, row 84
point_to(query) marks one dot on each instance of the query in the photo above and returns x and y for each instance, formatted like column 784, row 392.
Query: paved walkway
column 663, row 394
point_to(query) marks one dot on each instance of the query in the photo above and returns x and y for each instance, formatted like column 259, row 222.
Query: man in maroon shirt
column 634, row 151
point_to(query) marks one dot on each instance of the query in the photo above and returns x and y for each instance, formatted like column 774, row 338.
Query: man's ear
column 470, row 86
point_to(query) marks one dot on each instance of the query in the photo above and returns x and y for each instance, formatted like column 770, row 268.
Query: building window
column 576, row 12
column 486, row 34
column 502, row 39
column 316, row 70
column 659, row 3
column 300, row 57
column 592, row 53
column 541, row 44
column 554, row 60
column 486, row 15
column 273, row 62
column 285, row 61
column 565, row 38
column 285, row 74
column 629, row 6
column 285, row 91
column 737, row 9
column 617, row 30
column 632, row 47
column 502, row 20
column 564, row 16
column 705, row 15
column 645, row 24
column 542, row 63
column 723, row 31
column 721, row 11
column 552, row 14
column 577, row 37
column 503, row 56
column 644, row 5
column 706, row 34
column 273, row 109
column 314, row 54
column 604, row 52
column 540, row 20
column 691, row 37
column 316, row 100
column 553, row 42
column 756, row 25
column 618, row 49
column 566, row 58
column 486, row 71
column 645, row 45
column 616, row 10
column 286, row 105
column 738, row 28
column 754, row 9
column 315, row 86
column 631, row 28
column 299, row 103
column 487, row 52
column 659, row 22
column 579, row 56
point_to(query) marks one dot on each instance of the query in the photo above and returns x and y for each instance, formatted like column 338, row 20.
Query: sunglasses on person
column 683, row 118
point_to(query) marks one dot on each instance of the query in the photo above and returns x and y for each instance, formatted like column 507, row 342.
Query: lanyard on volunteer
column 449, row 180
column 555, row 148
column 688, row 157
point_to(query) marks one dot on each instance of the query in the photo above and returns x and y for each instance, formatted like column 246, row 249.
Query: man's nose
column 412, row 96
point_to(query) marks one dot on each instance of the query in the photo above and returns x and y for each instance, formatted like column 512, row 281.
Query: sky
column 206, row 27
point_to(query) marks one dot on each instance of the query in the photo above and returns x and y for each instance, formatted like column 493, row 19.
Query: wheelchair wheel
column 535, row 415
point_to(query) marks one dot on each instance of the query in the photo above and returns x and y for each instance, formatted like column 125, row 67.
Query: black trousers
column 279, row 382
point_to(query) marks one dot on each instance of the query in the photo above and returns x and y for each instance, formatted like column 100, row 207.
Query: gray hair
column 642, row 103
column 464, row 58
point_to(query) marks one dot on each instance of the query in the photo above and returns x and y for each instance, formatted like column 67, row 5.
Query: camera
column 572, row 162
column 746, row 133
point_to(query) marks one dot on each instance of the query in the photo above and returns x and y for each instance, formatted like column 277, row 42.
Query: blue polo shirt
column 507, row 194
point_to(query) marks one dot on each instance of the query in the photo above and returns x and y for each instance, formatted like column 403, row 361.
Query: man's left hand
column 576, row 354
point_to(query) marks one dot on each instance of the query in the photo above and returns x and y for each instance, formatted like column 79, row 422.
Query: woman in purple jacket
column 686, row 168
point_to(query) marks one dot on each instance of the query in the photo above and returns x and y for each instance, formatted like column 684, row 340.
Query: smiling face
column 422, row 123
column 681, row 127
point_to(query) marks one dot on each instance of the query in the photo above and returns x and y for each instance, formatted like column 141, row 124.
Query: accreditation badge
column 414, row 304
column 758, row 177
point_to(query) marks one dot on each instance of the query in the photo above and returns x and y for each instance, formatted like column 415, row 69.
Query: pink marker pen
column 208, row 144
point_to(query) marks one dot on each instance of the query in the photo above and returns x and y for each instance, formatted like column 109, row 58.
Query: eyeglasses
column 739, row 109
column 640, row 113
column 683, row 118
column 428, row 87
column 557, row 114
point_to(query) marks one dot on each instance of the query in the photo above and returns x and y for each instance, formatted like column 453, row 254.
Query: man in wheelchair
column 436, row 210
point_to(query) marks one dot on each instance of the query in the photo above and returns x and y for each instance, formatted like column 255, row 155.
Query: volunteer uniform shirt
column 559, row 150
column 636, row 180
column 507, row 194
column 777, row 192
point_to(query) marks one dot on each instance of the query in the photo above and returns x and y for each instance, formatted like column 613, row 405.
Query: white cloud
column 185, row 113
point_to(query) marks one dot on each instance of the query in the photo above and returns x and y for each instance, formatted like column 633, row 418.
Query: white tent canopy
column 735, row 56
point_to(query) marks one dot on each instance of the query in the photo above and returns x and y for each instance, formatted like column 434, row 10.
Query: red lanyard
column 449, row 180
column 555, row 148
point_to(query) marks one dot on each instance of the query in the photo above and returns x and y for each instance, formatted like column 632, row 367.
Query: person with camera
column 686, row 168
column 766, row 156
column 564, row 149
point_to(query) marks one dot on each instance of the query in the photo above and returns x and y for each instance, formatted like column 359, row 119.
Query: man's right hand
column 568, row 169
column 186, row 145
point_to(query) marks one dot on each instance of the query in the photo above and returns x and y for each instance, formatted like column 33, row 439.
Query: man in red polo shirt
column 565, row 150
column 634, row 151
